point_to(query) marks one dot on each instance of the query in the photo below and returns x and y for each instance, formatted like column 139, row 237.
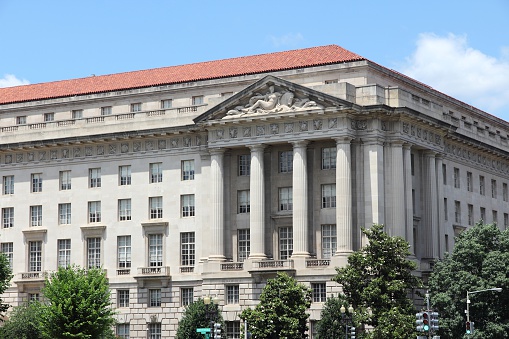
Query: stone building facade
column 206, row 179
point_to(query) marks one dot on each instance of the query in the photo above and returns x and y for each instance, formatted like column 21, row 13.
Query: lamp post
column 346, row 318
column 211, row 310
column 496, row 289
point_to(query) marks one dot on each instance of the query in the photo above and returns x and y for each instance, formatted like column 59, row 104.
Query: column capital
column 299, row 143
column 217, row 151
column 374, row 141
column 257, row 147
column 407, row 145
column 343, row 139
column 429, row 153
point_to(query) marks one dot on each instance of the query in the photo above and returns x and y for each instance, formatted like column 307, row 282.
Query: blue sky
column 459, row 47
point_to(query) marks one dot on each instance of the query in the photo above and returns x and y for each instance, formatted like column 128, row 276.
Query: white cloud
column 451, row 66
column 286, row 40
column 10, row 80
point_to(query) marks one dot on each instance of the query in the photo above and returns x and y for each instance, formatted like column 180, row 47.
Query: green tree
column 77, row 304
column 479, row 261
column 330, row 326
column 281, row 312
column 379, row 278
column 23, row 322
column 198, row 315
column 5, row 279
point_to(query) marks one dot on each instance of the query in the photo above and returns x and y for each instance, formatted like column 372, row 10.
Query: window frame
column 64, row 252
column 232, row 293
column 8, row 185
column 188, row 208
column 94, row 177
column 156, row 172
column 187, row 170
column 36, row 182
column 124, row 251
column 285, row 161
column 155, row 249
column 94, row 252
column 187, row 248
column 123, row 297
column 124, row 210
column 328, row 195
column 285, row 199
column 329, row 238
column 243, row 202
column 154, row 297
column 244, row 165
column 94, row 211
column 35, row 256
column 64, row 178
column 7, row 217
column 124, row 175
column 319, row 292
column 285, row 242
column 64, row 213
column 186, row 296
column 329, row 158
column 155, row 207
column 35, row 215
column 243, row 244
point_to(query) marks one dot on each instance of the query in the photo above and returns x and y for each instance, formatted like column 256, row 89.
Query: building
column 204, row 179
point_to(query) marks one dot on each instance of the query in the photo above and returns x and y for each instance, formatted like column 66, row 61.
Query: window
column 8, row 249
column 470, row 183
column 156, row 172
column 328, row 195
column 285, row 243
column 124, row 251
column 456, row 177
column 49, row 117
column 285, row 199
column 64, row 214
column 64, row 252
column 243, row 244
column 21, row 120
column 505, row 192
column 136, row 107
column 156, row 207
column 124, row 173
column 94, row 177
column 483, row 214
column 197, row 100
column 106, row 110
column 186, row 296
column 494, row 189
column 495, row 216
column 187, row 249
column 506, row 221
column 154, row 331
column 7, row 217
column 123, row 298
column 35, row 256
column 329, row 158
column 319, row 292
column 470, row 212
column 77, row 114
column 37, row 182
column 481, row 185
column 243, row 202
column 154, row 295
column 333, row 81
column 33, row 297
column 233, row 329
column 94, row 211
column 412, row 165
column 329, row 241
column 155, row 250
column 457, row 212
column 167, row 103
column 188, row 170
column 65, row 180
column 8, row 184
column 232, row 294
column 188, row 205
column 446, row 210
column 93, row 252
column 36, row 215
column 244, row 164
column 444, row 174
column 285, row 162
column 123, row 330
column 124, row 209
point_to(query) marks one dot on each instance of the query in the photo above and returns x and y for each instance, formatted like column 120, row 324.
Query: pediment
column 271, row 96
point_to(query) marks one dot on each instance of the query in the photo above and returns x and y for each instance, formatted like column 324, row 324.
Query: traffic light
column 352, row 332
column 434, row 321
column 418, row 322
column 217, row 331
column 470, row 327
column 425, row 321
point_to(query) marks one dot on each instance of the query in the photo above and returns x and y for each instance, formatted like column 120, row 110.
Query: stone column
column 300, row 200
column 217, row 204
column 439, row 238
column 257, row 202
column 397, row 202
column 344, row 196
column 409, row 207
column 429, row 217
column 373, row 182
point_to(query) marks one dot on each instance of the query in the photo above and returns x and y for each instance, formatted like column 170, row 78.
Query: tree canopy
column 5, row 279
column 23, row 322
column 198, row 315
column 479, row 261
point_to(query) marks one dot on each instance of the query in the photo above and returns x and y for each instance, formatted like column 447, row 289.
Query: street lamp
column 346, row 318
column 211, row 310
column 496, row 289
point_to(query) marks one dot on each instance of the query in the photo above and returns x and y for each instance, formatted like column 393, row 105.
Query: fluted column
column 257, row 202
column 439, row 238
column 397, row 207
column 409, row 208
column 343, row 196
column 430, row 218
column 217, row 204
column 373, row 182
column 300, row 200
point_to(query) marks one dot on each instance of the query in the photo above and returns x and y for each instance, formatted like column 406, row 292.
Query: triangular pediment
column 271, row 96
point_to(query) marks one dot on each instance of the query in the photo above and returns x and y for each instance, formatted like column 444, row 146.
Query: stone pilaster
column 439, row 233
column 217, row 204
column 344, row 196
column 373, row 182
column 409, row 208
column 300, row 200
column 397, row 220
column 257, row 202
column 429, row 226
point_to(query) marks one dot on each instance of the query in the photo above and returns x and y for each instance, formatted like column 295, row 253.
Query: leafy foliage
column 23, row 323
column 479, row 261
column 281, row 312
column 5, row 279
column 330, row 326
column 198, row 315
column 379, row 277
column 78, row 304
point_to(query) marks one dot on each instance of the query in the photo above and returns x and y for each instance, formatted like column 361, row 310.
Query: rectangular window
column 154, row 297
column 65, row 180
column 124, row 174
column 286, row 162
column 106, row 110
column 21, row 120
column 329, row 196
column 33, row 297
column 506, row 220
column 49, row 117
column 188, row 170
column 124, row 209
column 319, row 292
column 94, row 211
column 124, row 251
column 412, row 164
column 123, row 298
column 156, row 207
column 285, row 199
column 8, row 217
column 197, row 100
column 35, row 256
column 285, row 243
column 36, row 215
column 187, row 249
column 456, row 177
column 64, row 214
column 329, row 158
column 93, row 252
column 156, row 172
column 505, row 192
column 457, row 212
column 64, row 252
column 446, row 210
column 470, row 182
column 482, row 189
column 329, row 241
column 94, row 177
column 186, row 296
column 154, row 331
column 233, row 329
column 136, row 107
column 8, row 249
column 187, row 202
column 493, row 189
column 155, row 250
column 77, row 114
column 495, row 216
column 37, row 182
column 244, row 164
column 483, row 214
column 123, row 331
column 8, row 184
column 232, row 294
column 470, row 212
column 165, row 104
column 243, row 201
column 444, row 174
column 243, row 244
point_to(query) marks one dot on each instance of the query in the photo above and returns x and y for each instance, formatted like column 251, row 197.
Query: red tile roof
column 314, row 56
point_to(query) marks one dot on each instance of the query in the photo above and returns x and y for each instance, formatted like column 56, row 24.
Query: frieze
column 359, row 124
column 30, row 156
column 88, row 151
column 317, row 124
column 198, row 140
column 187, row 142
column 233, row 132
column 422, row 134
column 288, row 127
column 161, row 144
column 124, row 147
column 303, row 126
column 19, row 157
column 246, row 132
column 42, row 155
column 112, row 148
column 220, row 134
column 65, row 153
column 333, row 123
column 136, row 146
column 53, row 154
column 274, row 128
column 174, row 143
column 100, row 150
column 8, row 159
column 77, row 152
column 476, row 158
column 260, row 130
